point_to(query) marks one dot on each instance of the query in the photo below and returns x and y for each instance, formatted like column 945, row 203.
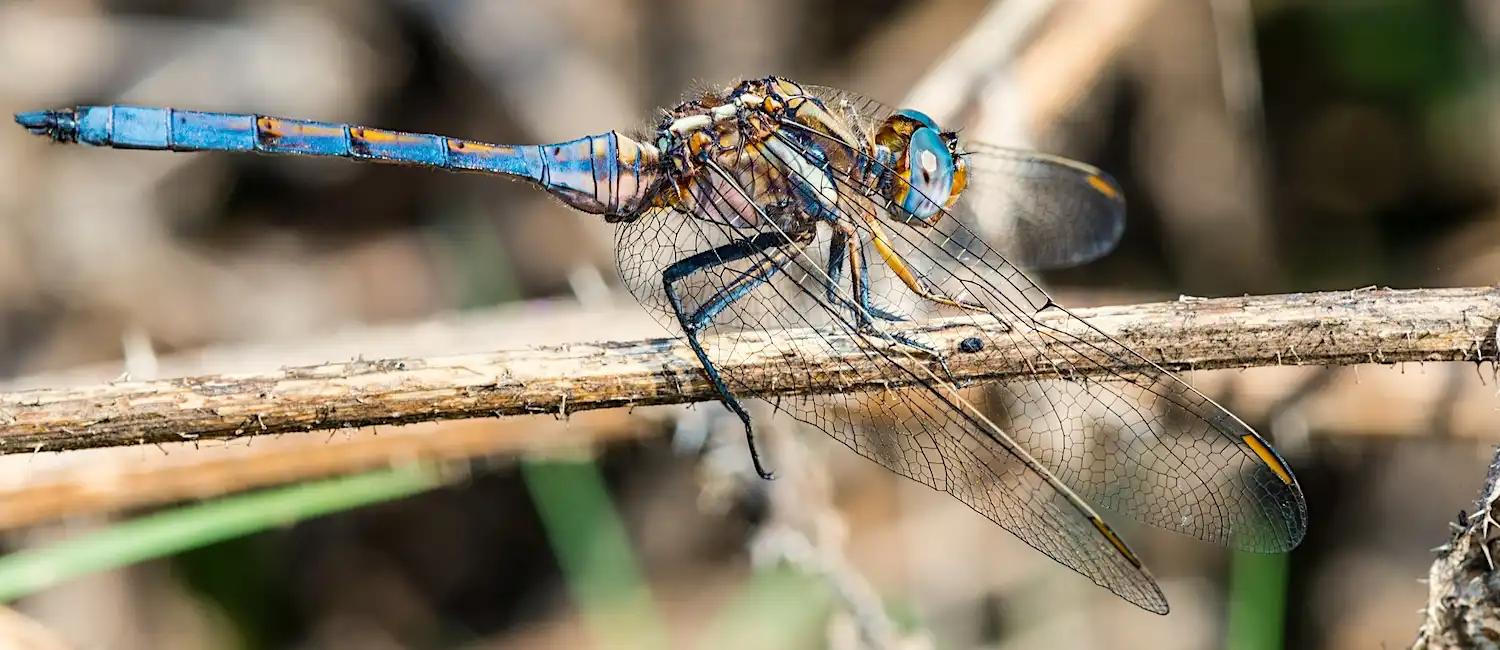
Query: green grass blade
column 173, row 531
column 594, row 552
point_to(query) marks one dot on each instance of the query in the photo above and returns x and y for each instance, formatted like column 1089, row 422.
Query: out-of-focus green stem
column 174, row 531
column 1257, row 601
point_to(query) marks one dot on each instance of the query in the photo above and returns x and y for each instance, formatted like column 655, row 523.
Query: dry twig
column 1337, row 328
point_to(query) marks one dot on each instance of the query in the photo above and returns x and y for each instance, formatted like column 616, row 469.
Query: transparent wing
column 861, row 113
column 1038, row 211
column 1144, row 444
column 931, row 433
column 1044, row 212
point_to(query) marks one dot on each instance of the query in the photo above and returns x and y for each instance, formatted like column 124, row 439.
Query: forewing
column 1145, row 444
column 859, row 112
column 930, row 433
column 1142, row 443
column 1038, row 211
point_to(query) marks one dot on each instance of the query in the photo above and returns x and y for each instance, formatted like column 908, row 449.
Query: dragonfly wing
column 1168, row 455
column 1039, row 211
column 858, row 111
column 1142, row 443
column 936, row 437
column 930, row 433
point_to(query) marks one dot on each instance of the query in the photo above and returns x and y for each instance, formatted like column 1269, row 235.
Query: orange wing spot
column 1115, row 541
column 1268, row 457
column 1104, row 187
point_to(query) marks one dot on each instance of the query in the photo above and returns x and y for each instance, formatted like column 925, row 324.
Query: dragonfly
column 772, row 205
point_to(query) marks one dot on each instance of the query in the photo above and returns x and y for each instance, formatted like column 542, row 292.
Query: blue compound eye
column 929, row 176
column 919, row 117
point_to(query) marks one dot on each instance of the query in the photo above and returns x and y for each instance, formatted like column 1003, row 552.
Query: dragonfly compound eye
column 927, row 173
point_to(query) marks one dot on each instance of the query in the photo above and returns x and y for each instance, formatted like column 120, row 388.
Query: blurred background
column 1265, row 146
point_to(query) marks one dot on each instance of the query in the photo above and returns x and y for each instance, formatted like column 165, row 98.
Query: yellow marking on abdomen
column 479, row 148
column 279, row 127
column 383, row 136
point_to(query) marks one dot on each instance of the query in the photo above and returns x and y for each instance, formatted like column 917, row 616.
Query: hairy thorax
column 764, row 154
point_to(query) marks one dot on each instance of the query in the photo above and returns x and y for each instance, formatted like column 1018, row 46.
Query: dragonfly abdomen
column 608, row 174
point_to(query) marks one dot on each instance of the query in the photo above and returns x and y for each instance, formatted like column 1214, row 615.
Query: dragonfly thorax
column 771, row 152
column 733, row 159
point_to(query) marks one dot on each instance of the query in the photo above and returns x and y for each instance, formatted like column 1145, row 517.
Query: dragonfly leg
column 916, row 283
column 893, row 259
column 777, row 251
column 835, row 271
column 861, row 282
column 839, row 246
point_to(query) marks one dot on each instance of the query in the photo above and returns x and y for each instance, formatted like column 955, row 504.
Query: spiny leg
column 775, row 247
column 835, row 271
column 860, row 281
column 838, row 247
column 844, row 242
column 916, row 283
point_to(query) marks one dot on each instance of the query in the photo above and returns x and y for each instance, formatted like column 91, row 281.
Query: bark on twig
column 1336, row 328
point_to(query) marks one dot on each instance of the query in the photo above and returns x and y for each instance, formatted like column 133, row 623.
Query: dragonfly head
column 930, row 174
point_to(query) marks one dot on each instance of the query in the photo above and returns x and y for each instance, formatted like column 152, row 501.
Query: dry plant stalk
column 1463, row 600
column 228, row 468
column 1334, row 328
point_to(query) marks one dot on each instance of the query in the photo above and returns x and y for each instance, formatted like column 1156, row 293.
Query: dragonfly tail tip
column 58, row 125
